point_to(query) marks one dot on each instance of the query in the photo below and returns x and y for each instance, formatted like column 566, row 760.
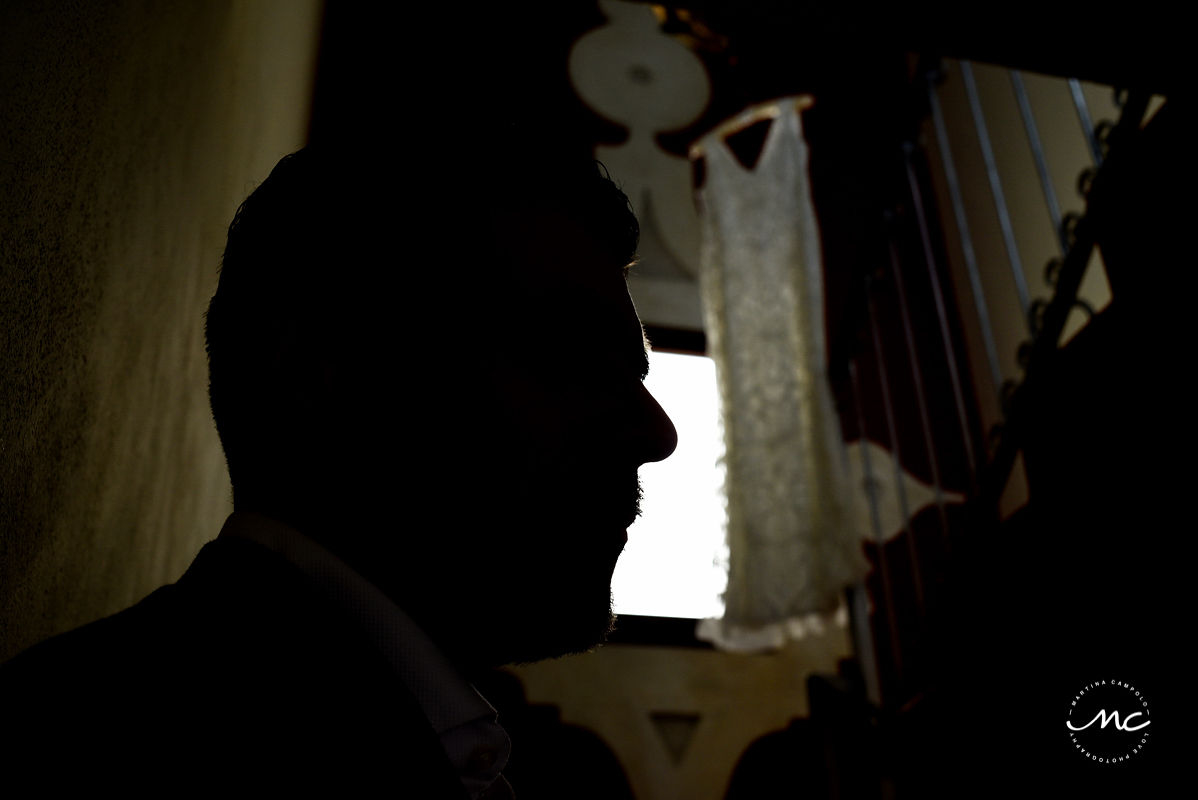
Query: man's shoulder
column 219, row 608
column 106, row 652
column 240, row 620
column 240, row 657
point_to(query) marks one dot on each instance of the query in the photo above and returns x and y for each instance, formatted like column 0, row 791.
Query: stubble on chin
column 582, row 639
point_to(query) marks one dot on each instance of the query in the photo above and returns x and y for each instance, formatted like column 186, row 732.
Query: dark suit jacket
column 239, row 675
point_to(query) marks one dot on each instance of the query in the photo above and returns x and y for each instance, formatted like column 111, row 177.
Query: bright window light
column 675, row 563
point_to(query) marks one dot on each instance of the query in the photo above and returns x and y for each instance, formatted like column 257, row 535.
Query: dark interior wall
column 129, row 133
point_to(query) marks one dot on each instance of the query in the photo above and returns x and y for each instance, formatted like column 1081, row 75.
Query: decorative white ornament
column 631, row 73
column 885, row 484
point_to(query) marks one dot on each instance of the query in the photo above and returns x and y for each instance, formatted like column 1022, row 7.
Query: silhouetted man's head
column 446, row 395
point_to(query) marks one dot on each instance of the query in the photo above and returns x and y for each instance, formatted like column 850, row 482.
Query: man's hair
column 333, row 252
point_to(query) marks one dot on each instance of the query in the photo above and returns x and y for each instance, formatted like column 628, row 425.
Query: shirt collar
column 461, row 717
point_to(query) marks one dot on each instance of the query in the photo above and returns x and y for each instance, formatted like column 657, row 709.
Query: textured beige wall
column 129, row 133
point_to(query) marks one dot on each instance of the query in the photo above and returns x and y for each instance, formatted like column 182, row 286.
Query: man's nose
column 657, row 436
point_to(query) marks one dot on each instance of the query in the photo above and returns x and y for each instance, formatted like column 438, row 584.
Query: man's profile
column 431, row 405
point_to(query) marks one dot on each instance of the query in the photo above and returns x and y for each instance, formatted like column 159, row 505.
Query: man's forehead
column 552, row 244
column 594, row 326
column 571, row 281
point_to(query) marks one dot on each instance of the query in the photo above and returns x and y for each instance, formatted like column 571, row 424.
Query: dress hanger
column 770, row 109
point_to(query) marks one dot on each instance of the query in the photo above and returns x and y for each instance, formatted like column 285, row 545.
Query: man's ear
column 324, row 379
column 327, row 369
column 300, row 371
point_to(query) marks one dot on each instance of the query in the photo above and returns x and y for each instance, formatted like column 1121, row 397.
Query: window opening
column 675, row 562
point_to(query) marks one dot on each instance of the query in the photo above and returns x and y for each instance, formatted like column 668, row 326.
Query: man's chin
column 539, row 635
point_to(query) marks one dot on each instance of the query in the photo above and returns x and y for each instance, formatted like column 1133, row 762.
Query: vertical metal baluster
column 1037, row 145
column 971, row 264
column 925, row 421
column 950, row 352
column 895, row 449
column 1083, row 116
column 876, row 521
column 1000, row 201
column 864, row 641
